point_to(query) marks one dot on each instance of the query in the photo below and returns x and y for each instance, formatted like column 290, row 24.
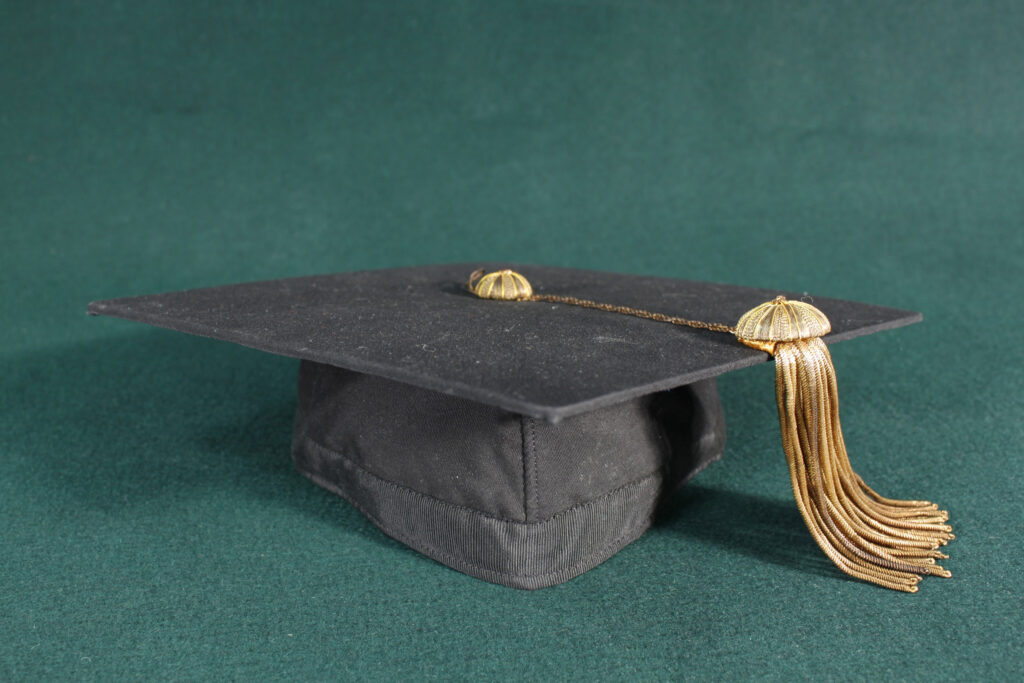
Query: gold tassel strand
column 877, row 538
column 890, row 531
column 888, row 542
column 891, row 543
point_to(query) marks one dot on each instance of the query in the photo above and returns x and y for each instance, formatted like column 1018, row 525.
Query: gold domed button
column 503, row 285
column 782, row 320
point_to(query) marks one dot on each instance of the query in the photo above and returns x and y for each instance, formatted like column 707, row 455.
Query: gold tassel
column 892, row 543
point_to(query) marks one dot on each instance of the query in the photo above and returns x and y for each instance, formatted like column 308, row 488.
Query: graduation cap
column 523, row 425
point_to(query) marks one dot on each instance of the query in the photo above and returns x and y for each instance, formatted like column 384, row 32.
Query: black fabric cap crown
column 519, row 442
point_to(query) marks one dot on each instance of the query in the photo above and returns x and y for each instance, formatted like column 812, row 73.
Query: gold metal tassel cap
column 781, row 320
column 503, row 285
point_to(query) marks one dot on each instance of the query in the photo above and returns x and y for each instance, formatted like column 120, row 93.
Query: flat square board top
column 419, row 326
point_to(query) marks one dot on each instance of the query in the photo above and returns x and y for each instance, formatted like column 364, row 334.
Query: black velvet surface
column 417, row 325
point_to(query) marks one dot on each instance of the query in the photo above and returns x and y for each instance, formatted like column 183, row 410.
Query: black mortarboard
column 522, row 442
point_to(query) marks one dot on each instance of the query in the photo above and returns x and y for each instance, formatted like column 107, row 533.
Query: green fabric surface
column 151, row 524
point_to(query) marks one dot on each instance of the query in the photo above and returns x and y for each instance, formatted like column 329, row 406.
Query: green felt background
column 151, row 524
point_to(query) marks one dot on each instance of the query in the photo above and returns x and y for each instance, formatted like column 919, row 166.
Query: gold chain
column 637, row 312
column 508, row 285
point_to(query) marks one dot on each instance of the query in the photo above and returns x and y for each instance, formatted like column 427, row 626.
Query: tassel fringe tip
column 891, row 543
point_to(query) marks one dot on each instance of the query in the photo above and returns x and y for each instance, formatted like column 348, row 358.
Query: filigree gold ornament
column 503, row 285
column 781, row 320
